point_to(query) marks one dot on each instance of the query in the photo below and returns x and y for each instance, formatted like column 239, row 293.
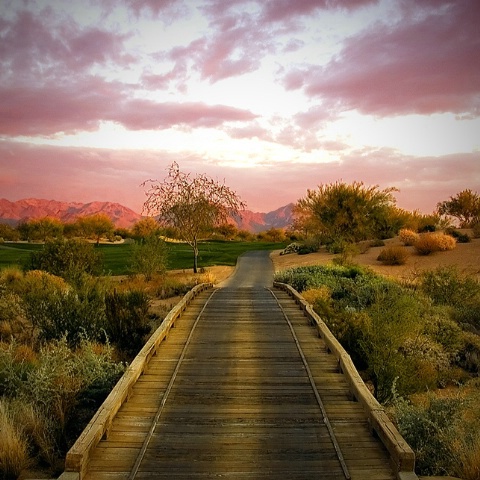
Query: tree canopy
column 465, row 206
column 194, row 205
column 345, row 212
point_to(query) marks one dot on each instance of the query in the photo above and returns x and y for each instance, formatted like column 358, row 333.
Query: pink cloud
column 85, row 102
column 235, row 47
column 425, row 64
column 144, row 114
column 41, row 48
column 56, row 108
column 164, row 10
column 281, row 10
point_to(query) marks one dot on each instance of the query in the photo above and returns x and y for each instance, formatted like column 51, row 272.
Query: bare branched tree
column 194, row 205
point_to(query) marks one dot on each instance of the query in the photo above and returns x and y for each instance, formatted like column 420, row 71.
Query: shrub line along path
column 242, row 388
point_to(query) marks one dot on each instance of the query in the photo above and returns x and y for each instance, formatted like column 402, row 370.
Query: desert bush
column 468, row 455
column 53, row 385
column 10, row 313
column 378, row 242
column 469, row 353
column 14, row 456
column 476, row 230
column 127, row 319
column 10, row 276
column 70, row 259
column 58, row 311
column 14, row 368
column 393, row 320
column 149, row 257
column 393, row 255
column 431, row 431
column 444, row 432
column 314, row 295
column 347, row 255
column 458, row 236
column 408, row 237
column 446, row 286
column 443, row 330
column 434, row 242
column 336, row 245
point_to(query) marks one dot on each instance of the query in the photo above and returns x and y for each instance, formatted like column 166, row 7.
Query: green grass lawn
column 16, row 254
column 117, row 257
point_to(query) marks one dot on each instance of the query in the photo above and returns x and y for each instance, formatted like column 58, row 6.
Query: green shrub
column 469, row 353
column 70, row 259
column 446, row 286
column 53, row 386
column 458, row 236
column 393, row 255
column 431, row 431
column 127, row 319
column 149, row 257
column 393, row 323
column 378, row 242
column 336, row 246
column 476, row 230
column 58, row 311
column 306, row 248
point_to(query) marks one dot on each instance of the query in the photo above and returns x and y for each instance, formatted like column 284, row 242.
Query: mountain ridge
column 15, row 212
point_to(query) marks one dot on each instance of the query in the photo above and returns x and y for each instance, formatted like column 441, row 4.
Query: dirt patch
column 466, row 257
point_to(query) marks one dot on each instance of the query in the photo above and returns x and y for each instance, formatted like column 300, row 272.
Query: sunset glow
column 274, row 97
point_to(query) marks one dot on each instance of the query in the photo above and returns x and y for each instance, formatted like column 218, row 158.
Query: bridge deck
column 241, row 405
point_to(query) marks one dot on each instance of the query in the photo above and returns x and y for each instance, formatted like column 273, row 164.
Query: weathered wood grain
column 242, row 405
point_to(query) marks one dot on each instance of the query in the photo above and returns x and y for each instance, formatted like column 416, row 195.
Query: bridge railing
column 78, row 456
column 401, row 454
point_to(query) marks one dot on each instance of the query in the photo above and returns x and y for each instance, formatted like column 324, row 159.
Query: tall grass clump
column 393, row 255
column 408, row 237
column 51, row 388
column 14, row 455
column 432, row 242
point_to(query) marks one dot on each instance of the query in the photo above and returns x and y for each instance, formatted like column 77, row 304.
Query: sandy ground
column 466, row 257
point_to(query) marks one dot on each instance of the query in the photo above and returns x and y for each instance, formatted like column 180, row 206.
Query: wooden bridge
column 241, row 382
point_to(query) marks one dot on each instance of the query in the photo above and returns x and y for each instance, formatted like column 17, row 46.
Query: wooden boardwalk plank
column 241, row 406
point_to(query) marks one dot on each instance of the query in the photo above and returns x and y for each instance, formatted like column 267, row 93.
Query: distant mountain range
column 13, row 213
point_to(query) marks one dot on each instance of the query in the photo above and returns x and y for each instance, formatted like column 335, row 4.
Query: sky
column 270, row 97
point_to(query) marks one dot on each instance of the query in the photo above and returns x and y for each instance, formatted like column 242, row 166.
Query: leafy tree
column 227, row 230
column 149, row 256
column 465, row 206
column 341, row 212
column 69, row 259
column 144, row 228
column 47, row 227
column 8, row 233
column 193, row 205
column 96, row 226
column 40, row 229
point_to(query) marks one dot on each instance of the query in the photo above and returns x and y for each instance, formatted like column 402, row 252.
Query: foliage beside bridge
column 409, row 339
